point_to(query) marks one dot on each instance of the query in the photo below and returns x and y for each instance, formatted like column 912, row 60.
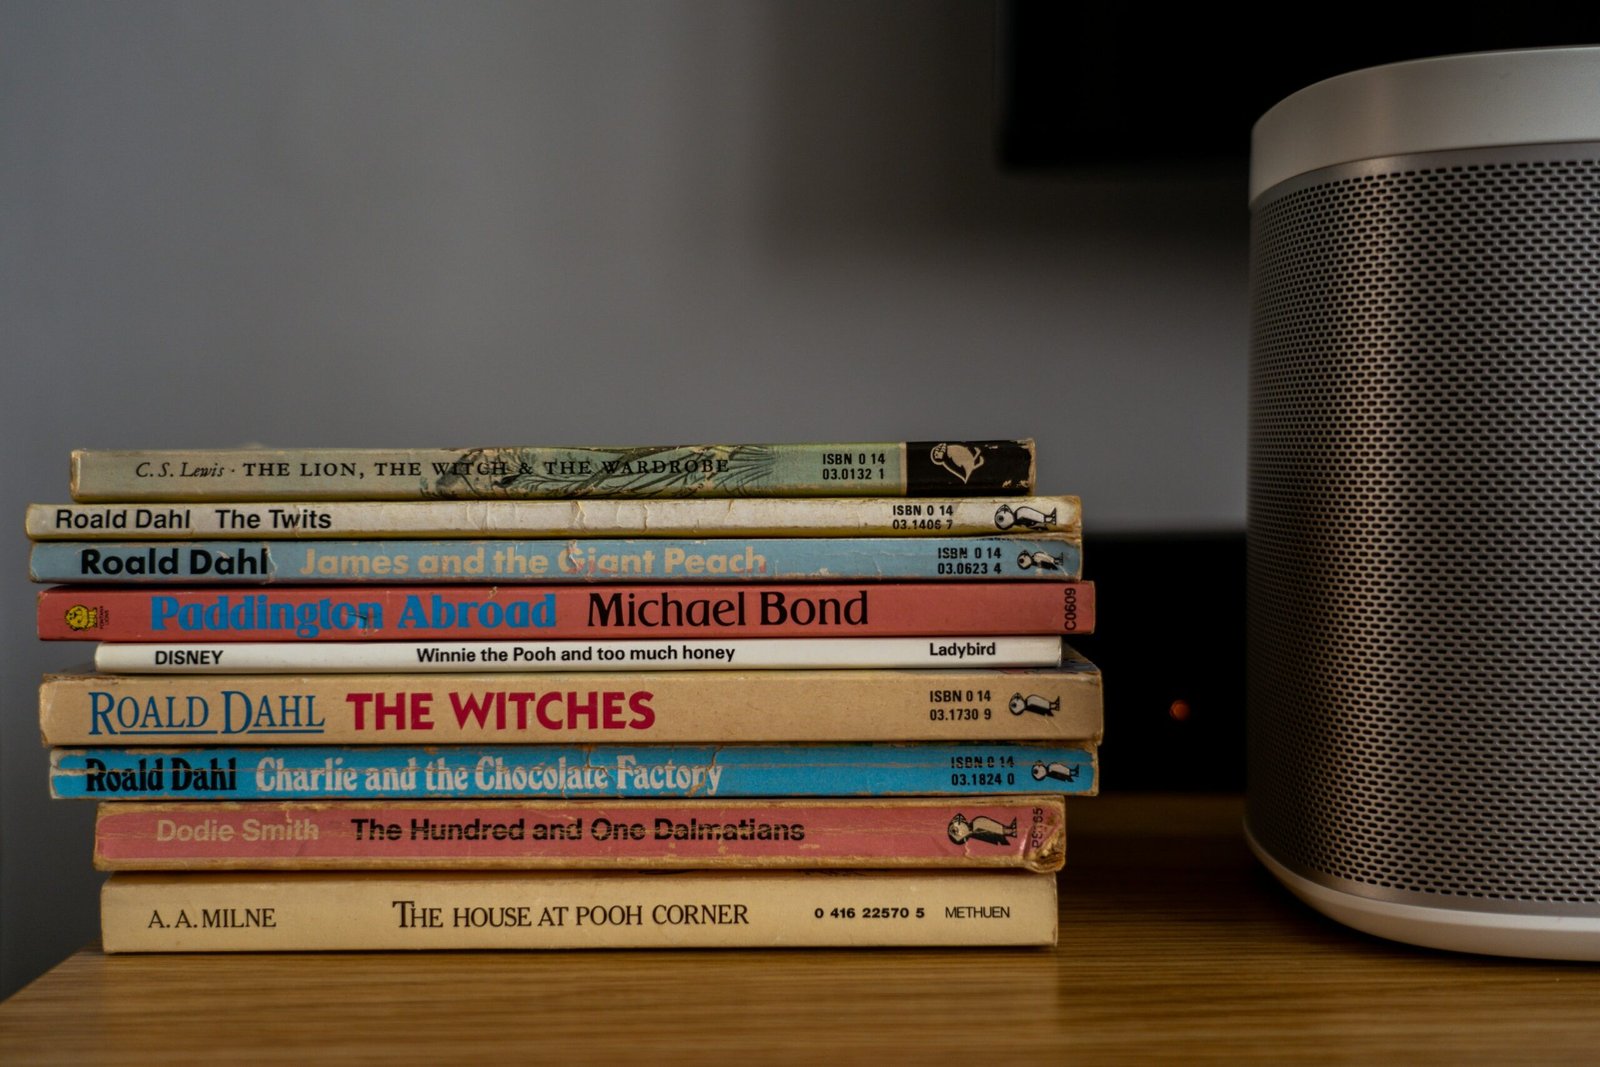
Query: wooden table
column 1175, row 945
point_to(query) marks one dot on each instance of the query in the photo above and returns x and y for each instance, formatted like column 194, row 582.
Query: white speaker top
column 1483, row 100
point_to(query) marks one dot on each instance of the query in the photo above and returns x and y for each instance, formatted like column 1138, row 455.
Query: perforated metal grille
column 1424, row 575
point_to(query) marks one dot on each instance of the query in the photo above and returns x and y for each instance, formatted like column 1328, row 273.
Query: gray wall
column 615, row 222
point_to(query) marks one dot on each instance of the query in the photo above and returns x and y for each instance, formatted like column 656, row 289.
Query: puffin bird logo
column 981, row 828
column 1023, row 517
column 1033, row 703
column 960, row 460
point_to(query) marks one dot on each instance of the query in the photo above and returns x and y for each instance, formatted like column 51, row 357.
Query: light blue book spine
column 786, row 559
column 323, row 773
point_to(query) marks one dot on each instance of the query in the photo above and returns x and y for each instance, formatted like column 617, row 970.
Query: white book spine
column 368, row 657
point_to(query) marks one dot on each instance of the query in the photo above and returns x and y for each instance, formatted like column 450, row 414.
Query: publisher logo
column 81, row 617
column 981, row 828
column 958, row 459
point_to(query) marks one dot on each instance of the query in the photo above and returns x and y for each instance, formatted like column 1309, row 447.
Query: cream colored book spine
column 480, row 910
column 665, row 706
column 736, row 517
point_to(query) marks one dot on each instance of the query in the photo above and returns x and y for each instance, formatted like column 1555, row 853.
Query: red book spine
column 510, row 612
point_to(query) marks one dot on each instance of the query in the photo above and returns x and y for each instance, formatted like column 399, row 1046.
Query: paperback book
column 323, row 911
column 775, row 559
column 572, row 771
column 423, row 613
column 739, row 517
column 577, row 707
column 917, row 468
column 1023, row 832
column 754, row 653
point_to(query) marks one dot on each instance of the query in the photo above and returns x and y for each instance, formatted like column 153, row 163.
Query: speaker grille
column 1424, row 523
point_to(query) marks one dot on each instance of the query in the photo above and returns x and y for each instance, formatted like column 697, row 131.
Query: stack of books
column 710, row 695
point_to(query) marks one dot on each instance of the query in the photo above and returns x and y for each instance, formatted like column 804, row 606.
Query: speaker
column 1423, row 580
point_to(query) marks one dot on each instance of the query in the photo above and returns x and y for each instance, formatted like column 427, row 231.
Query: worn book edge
column 203, row 912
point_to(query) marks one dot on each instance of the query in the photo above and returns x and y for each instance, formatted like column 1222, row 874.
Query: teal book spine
column 389, row 562
column 571, row 771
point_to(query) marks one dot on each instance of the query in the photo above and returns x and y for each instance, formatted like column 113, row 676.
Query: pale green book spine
column 917, row 468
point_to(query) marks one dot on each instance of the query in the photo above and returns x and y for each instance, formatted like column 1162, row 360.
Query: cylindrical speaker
column 1424, row 502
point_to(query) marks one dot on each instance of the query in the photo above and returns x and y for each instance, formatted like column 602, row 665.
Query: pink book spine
column 1026, row 832
column 510, row 612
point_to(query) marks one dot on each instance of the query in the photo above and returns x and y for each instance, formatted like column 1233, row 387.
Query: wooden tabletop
column 1174, row 944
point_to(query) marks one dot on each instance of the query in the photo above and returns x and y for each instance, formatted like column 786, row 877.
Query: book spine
column 741, row 516
column 932, row 468
column 398, row 613
column 796, row 559
column 545, row 910
column 1023, row 832
column 773, row 653
column 572, row 771
column 654, row 707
